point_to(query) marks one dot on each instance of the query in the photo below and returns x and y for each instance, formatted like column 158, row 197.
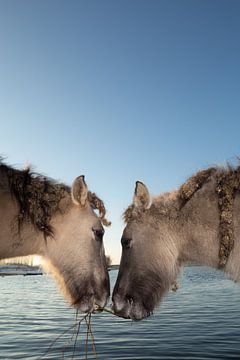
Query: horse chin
column 131, row 310
column 139, row 312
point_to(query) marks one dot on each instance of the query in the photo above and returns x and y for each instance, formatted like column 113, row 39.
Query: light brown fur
column 174, row 231
column 40, row 217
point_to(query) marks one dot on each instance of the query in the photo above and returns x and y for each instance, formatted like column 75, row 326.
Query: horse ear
column 141, row 197
column 79, row 191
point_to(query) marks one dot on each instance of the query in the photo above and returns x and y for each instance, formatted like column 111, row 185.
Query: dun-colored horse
column 41, row 217
column 198, row 224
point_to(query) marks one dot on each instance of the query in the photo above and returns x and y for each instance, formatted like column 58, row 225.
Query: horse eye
column 126, row 242
column 98, row 233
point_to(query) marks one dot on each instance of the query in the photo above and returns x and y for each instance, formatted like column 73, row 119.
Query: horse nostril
column 129, row 299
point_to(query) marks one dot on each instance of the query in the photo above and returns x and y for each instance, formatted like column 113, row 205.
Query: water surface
column 200, row 321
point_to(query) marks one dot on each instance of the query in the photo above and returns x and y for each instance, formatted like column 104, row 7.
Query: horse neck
column 199, row 229
column 198, row 224
column 13, row 242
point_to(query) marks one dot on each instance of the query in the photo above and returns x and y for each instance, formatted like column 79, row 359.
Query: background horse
column 198, row 224
column 41, row 217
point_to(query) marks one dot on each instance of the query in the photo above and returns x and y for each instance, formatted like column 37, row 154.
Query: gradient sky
column 120, row 91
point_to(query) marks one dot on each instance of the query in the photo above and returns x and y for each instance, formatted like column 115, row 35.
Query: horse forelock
column 162, row 205
column 97, row 204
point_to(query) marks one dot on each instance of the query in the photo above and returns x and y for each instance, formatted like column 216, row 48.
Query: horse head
column 148, row 264
column 76, row 254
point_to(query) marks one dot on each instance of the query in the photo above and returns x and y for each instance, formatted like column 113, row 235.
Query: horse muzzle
column 128, row 308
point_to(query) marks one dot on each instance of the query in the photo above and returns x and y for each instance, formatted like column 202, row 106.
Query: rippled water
column 200, row 321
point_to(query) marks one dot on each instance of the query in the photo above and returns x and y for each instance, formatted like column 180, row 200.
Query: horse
column 197, row 224
column 39, row 216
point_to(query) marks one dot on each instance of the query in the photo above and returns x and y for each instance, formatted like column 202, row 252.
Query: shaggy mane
column 39, row 197
column 163, row 204
column 227, row 185
column 193, row 184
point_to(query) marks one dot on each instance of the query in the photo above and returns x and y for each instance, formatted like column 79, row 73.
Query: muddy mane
column 227, row 182
column 39, row 197
column 193, row 184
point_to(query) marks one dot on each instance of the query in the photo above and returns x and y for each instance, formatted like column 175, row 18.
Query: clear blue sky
column 120, row 91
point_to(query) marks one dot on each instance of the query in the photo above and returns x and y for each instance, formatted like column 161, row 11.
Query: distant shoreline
column 27, row 270
column 113, row 267
column 19, row 269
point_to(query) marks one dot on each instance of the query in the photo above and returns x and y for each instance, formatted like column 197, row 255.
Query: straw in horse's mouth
column 97, row 308
column 105, row 309
column 76, row 331
column 74, row 337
